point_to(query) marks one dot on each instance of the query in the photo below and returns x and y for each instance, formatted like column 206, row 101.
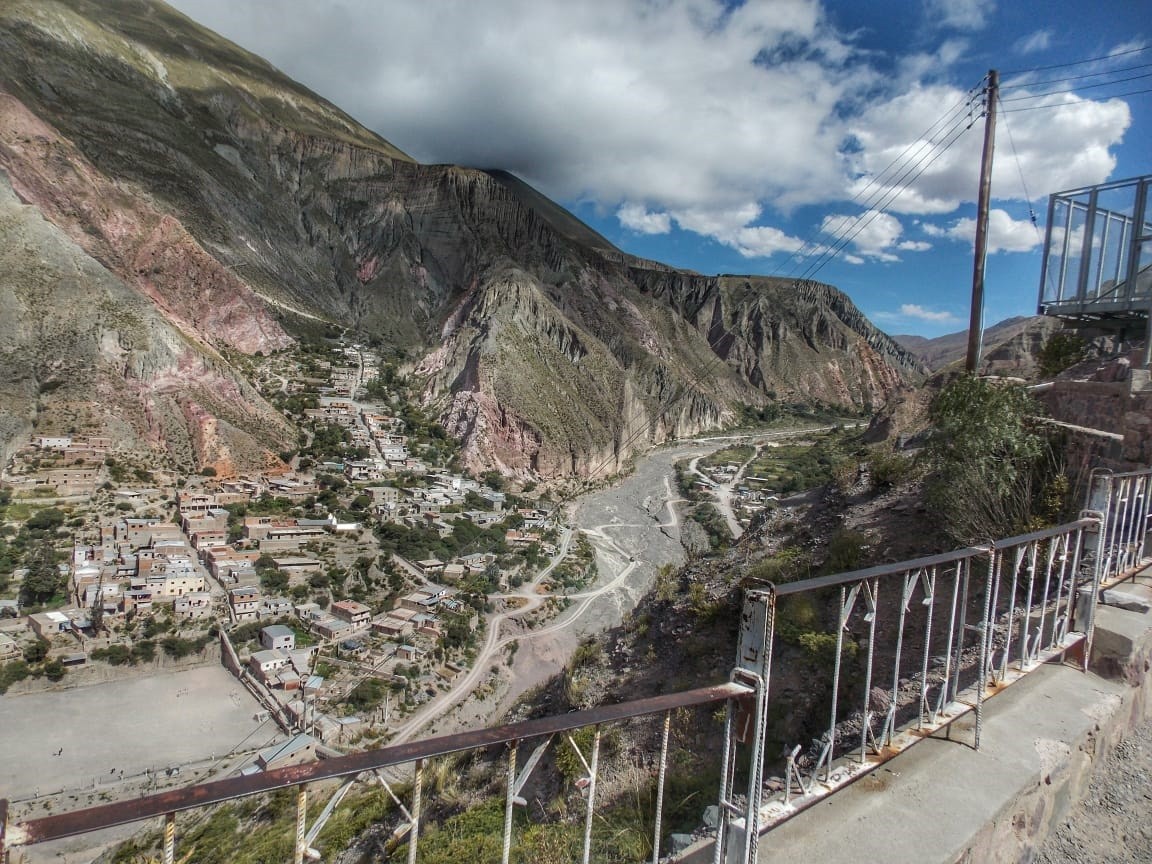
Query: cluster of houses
column 64, row 465
column 371, row 429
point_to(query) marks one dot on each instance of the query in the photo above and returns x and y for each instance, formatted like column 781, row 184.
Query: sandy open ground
column 133, row 726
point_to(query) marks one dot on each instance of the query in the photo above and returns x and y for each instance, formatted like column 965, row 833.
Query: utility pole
column 976, row 322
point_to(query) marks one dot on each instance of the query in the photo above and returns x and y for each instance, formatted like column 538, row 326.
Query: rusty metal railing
column 917, row 645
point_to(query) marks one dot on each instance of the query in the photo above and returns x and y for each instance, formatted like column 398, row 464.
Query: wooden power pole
column 976, row 322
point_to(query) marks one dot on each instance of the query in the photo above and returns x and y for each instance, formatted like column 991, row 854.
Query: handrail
column 124, row 812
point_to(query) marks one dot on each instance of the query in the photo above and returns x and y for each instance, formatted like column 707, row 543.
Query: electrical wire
column 1020, row 170
column 1072, row 77
column 812, row 244
column 1065, row 104
column 862, row 223
column 1075, row 89
column 1078, row 62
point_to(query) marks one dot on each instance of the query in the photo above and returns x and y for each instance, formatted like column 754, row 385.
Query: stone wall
column 1122, row 407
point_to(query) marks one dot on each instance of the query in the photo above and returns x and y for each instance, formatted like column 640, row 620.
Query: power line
column 1074, row 77
column 1079, row 62
column 862, row 223
column 1065, row 104
column 919, row 143
column 1020, row 169
column 878, row 204
column 1083, row 87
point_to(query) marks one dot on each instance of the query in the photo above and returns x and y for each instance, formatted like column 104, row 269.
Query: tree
column 44, row 579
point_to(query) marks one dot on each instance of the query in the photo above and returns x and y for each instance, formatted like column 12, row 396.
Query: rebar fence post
column 871, row 589
column 169, row 838
column 509, row 803
column 591, row 795
column 929, row 601
column 414, row 831
column 847, row 601
column 301, row 824
column 991, row 587
column 660, row 786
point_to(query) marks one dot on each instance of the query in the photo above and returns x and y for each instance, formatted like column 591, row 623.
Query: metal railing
column 915, row 646
column 939, row 636
column 1123, row 503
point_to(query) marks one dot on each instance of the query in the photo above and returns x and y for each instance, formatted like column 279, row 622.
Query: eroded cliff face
column 225, row 197
column 83, row 352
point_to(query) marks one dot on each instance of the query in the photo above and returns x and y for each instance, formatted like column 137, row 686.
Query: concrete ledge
column 941, row 802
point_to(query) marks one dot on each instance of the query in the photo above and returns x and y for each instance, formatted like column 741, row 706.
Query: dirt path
column 1111, row 824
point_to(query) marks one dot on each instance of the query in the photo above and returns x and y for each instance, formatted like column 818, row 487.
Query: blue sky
column 753, row 137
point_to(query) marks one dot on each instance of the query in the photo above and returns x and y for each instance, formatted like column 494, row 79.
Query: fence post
column 169, row 838
column 509, row 803
column 414, row 833
column 660, row 787
column 301, row 824
column 591, row 795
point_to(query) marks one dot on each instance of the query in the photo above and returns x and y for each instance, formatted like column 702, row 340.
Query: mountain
column 1010, row 347
column 196, row 205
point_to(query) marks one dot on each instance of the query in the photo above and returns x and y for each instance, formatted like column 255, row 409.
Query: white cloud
column 1064, row 146
column 872, row 234
column 961, row 14
column 915, row 310
column 714, row 116
column 638, row 218
column 1034, row 42
column 1005, row 234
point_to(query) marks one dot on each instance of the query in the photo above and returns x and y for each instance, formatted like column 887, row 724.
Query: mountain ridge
column 239, row 205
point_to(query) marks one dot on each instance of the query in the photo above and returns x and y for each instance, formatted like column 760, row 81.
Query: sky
column 831, row 139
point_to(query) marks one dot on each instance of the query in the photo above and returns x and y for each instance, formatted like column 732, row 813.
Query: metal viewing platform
column 1097, row 267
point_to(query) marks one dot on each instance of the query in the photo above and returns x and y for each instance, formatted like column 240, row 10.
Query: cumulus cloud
column 716, row 117
column 872, row 234
column 1005, row 234
column 638, row 218
column 1064, row 147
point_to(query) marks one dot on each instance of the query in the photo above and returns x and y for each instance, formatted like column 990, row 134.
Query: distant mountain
column 1010, row 347
column 170, row 202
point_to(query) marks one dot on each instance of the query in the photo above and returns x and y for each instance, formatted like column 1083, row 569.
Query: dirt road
column 1110, row 824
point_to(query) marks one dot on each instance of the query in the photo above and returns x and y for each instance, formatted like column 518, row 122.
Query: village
column 343, row 587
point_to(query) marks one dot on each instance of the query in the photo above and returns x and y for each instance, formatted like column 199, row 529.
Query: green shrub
column 990, row 462
column 1059, row 352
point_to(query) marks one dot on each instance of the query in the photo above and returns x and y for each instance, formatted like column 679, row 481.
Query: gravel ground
column 1112, row 823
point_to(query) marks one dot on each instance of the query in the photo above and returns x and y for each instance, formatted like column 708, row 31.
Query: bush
column 208, row 471
column 12, row 672
column 1059, row 352
column 888, row 469
column 990, row 463
column 37, row 651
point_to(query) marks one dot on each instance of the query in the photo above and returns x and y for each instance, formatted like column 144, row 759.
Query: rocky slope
column 234, row 204
column 1010, row 347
